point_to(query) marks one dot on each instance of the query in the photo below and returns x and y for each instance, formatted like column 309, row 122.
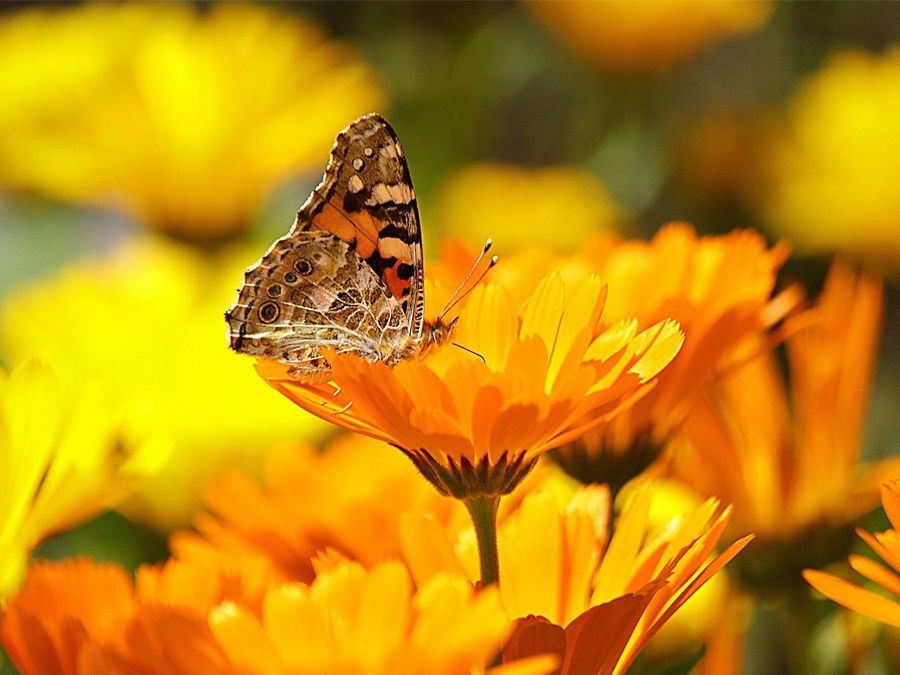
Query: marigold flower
column 514, row 205
column 142, row 324
column 475, row 427
column 177, row 116
column 61, row 462
column 887, row 545
column 594, row 605
column 650, row 35
column 832, row 176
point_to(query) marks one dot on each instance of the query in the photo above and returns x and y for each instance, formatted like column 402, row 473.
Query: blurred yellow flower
column 593, row 602
column 887, row 546
column 650, row 35
column 475, row 425
column 65, row 456
column 554, row 206
column 185, row 119
column 144, row 324
column 833, row 182
column 788, row 455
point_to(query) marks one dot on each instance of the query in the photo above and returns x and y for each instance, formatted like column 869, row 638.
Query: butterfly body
column 348, row 276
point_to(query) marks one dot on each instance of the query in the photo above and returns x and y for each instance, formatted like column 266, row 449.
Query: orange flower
column 887, row 545
column 791, row 461
column 61, row 608
column 474, row 425
column 719, row 290
column 346, row 499
column 594, row 605
column 87, row 618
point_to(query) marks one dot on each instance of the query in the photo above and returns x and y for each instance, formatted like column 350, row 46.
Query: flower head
column 720, row 291
column 832, row 175
column 541, row 375
column 143, row 325
column 61, row 462
column 514, row 205
column 593, row 601
column 650, row 35
column 176, row 116
column 789, row 454
column 80, row 616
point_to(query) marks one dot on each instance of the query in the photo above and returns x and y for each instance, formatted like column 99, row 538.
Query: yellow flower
column 788, row 455
column 521, row 207
column 350, row 620
column 887, row 546
column 145, row 325
column 184, row 119
column 595, row 604
column 650, row 35
column 833, row 175
column 61, row 461
column 475, row 425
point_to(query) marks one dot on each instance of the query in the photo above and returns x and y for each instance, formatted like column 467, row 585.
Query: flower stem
column 483, row 510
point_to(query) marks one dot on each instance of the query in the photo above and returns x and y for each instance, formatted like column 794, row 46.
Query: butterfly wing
column 311, row 291
column 367, row 200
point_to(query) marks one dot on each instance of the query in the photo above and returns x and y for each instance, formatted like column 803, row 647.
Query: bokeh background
column 148, row 153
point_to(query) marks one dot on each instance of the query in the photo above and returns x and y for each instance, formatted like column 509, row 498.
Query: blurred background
column 150, row 152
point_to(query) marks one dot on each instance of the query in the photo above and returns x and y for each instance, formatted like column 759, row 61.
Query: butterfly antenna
column 471, row 351
column 462, row 290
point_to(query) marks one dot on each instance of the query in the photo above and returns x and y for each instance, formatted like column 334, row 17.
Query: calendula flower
column 549, row 372
column 648, row 36
column 184, row 119
column 347, row 499
column 887, row 545
column 85, row 617
column 514, row 205
column 592, row 601
column 352, row 620
column 474, row 425
column 718, row 288
column 143, row 324
column 789, row 454
column 832, row 174
column 65, row 456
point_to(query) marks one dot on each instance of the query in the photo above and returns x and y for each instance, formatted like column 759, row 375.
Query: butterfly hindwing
column 309, row 292
column 367, row 200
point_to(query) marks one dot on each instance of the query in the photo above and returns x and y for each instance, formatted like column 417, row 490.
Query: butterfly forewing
column 366, row 199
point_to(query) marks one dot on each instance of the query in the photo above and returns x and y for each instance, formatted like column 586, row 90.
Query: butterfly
column 348, row 276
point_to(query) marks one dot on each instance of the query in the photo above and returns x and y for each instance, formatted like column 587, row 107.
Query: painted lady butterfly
column 348, row 276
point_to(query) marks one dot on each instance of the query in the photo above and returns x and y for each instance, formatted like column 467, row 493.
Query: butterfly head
column 439, row 331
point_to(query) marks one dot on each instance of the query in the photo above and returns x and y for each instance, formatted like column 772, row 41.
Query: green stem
column 483, row 510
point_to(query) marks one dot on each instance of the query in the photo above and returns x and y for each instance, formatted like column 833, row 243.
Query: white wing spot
column 355, row 184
